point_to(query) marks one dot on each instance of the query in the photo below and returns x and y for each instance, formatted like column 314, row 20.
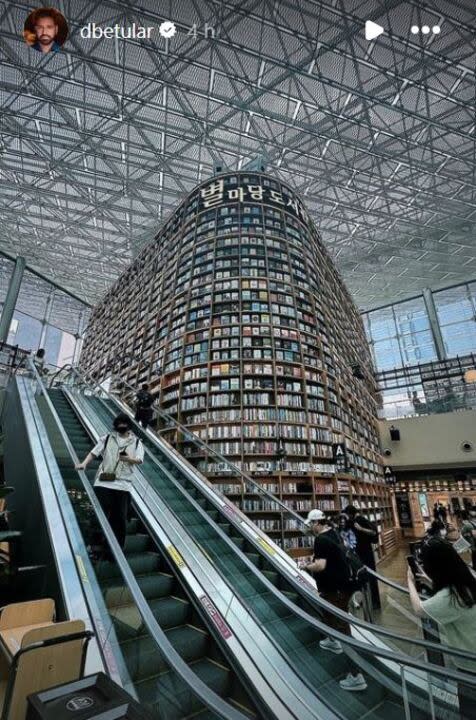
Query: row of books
column 297, row 542
column 293, row 487
column 324, row 488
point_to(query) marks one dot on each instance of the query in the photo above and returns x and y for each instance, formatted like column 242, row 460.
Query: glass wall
column 456, row 310
column 400, row 334
column 44, row 317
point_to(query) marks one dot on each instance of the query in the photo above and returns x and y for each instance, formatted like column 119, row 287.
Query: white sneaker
column 332, row 645
column 354, row 683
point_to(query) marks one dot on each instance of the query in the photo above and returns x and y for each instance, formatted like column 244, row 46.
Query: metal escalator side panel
column 297, row 699
column 366, row 651
column 82, row 598
column 193, row 684
column 301, row 582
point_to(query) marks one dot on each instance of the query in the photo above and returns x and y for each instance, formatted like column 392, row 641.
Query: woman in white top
column 120, row 451
column 452, row 606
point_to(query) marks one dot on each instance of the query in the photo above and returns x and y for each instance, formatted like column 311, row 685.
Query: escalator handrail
column 199, row 441
column 387, row 581
column 74, row 598
column 428, row 645
column 55, row 375
column 209, row 698
column 317, row 600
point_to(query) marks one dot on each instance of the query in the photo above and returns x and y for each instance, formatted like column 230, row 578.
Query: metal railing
column 422, row 643
column 209, row 698
column 414, row 675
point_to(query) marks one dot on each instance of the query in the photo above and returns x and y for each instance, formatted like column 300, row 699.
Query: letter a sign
column 340, row 457
column 389, row 475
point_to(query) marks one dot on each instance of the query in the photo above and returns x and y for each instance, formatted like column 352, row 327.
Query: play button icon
column 372, row 30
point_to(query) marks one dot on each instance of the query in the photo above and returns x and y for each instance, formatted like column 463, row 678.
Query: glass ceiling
column 99, row 142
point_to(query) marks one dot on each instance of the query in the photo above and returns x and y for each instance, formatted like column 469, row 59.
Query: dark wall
column 29, row 515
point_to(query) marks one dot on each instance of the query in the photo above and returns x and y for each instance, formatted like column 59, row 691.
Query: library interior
column 238, row 360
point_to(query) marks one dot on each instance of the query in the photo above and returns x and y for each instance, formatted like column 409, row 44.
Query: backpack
column 369, row 525
column 358, row 574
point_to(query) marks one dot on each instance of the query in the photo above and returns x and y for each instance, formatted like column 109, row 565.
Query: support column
column 434, row 324
column 79, row 338
column 11, row 298
column 47, row 317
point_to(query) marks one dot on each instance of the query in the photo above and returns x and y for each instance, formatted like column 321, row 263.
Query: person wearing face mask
column 120, row 451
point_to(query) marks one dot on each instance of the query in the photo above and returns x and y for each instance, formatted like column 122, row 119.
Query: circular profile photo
column 45, row 30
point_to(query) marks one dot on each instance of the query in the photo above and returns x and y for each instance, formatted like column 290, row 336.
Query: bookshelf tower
column 237, row 318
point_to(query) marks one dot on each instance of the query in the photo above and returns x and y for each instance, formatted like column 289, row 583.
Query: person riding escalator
column 120, row 451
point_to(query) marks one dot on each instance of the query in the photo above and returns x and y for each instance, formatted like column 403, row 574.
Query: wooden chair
column 18, row 619
column 36, row 653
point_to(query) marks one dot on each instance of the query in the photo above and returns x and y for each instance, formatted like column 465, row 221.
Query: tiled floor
column 396, row 613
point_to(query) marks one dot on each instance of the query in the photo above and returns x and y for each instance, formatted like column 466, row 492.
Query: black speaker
column 394, row 434
column 95, row 696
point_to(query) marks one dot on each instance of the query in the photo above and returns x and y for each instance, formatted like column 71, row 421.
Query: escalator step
column 132, row 526
column 143, row 563
column 143, row 660
column 267, row 606
column 355, row 704
column 254, row 558
column 272, row 576
column 136, row 543
column 173, row 701
column 239, row 542
column 152, row 586
column 170, row 611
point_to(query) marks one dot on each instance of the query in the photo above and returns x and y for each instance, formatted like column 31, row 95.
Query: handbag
column 108, row 476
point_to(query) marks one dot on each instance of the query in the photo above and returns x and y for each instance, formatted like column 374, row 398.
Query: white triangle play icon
column 372, row 30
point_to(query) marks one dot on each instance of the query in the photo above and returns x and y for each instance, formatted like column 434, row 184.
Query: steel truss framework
column 100, row 141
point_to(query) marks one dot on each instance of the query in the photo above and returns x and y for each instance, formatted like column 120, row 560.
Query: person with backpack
column 468, row 531
column 120, row 451
column 144, row 410
column 367, row 535
column 333, row 578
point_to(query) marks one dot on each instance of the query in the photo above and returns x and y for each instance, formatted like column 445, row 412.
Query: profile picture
column 45, row 30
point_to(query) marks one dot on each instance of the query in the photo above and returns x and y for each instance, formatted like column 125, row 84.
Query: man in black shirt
column 332, row 575
column 366, row 534
column 144, row 402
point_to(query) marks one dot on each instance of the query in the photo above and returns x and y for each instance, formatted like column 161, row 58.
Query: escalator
column 154, row 682
column 284, row 613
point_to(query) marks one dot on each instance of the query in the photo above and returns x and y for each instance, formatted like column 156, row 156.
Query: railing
column 425, row 688
column 408, row 643
column 172, row 658
column 232, row 471
column 436, row 387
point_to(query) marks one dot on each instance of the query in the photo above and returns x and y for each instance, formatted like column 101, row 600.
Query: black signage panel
column 403, row 509
column 339, row 454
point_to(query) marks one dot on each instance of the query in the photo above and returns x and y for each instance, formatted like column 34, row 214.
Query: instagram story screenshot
column 238, row 359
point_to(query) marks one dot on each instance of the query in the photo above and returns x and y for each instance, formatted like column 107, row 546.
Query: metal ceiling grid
column 101, row 141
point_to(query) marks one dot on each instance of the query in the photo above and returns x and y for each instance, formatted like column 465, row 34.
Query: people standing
column 452, row 606
column 144, row 410
column 332, row 574
column 120, row 451
column 346, row 532
column 367, row 535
